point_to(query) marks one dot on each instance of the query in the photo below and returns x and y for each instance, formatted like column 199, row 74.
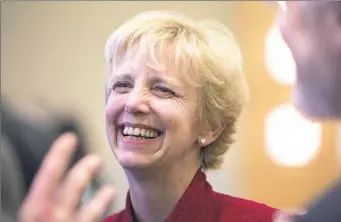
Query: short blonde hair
column 207, row 50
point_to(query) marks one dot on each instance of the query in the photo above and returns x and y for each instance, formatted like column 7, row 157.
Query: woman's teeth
column 139, row 132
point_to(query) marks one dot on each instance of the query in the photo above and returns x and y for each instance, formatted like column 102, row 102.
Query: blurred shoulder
column 327, row 205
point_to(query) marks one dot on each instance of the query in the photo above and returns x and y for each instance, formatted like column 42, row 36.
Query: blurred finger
column 52, row 169
column 94, row 210
column 281, row 216
column 288, row 215
column 77, row 180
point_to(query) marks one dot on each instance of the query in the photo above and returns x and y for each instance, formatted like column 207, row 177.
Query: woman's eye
column 122, row 87
column 163, row 91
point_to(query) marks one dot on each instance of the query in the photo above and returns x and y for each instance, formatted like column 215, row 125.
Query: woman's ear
column 211, row 134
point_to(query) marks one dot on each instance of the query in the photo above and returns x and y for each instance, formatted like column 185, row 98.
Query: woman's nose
column 137, row 102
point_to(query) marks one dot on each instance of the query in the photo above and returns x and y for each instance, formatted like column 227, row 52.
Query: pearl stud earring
column 202, row 141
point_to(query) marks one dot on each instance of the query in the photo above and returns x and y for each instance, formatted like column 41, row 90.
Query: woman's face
column 152, row 116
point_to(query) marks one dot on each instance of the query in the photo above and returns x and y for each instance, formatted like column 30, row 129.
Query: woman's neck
column 155, row 194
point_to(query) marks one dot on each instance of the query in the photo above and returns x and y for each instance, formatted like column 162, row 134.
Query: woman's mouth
column 139, row 133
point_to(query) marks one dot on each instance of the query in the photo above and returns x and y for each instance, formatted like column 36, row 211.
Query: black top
column 327, row 208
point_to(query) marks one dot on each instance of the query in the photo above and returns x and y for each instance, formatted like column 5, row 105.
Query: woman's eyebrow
column 165, row 80
column 122, row 76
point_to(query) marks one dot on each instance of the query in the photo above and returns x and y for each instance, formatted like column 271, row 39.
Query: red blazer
column 201, row 204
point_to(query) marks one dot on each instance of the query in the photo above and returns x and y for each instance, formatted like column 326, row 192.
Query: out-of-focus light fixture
column 291, row 140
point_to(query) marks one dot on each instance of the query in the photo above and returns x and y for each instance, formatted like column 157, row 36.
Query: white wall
column 54, row 51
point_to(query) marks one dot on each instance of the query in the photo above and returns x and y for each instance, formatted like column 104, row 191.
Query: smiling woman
column 166, row 55
column 175, row 91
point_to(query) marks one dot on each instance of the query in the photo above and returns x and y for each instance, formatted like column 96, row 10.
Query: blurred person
column 25, row 139
column 174, row 93
column 12, row 182
column 312, row 30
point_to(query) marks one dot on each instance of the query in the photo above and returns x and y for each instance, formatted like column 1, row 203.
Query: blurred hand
column 53, row 200
column 287, row 216
column 281, row 216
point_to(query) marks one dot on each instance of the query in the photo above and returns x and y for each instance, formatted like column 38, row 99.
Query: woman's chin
column 132, row 153
column 138, row 161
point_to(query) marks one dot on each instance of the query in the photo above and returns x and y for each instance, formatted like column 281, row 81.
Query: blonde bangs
column 166, row 43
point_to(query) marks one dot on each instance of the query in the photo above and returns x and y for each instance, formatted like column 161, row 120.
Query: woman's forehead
column 139, row 64
column 158, row 60
column 138, row 56
column 132, row 68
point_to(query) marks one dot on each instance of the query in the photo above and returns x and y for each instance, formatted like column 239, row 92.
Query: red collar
column 201, row 204
column 191, row 207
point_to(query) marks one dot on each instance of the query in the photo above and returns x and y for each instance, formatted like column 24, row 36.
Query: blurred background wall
column 52, row 53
